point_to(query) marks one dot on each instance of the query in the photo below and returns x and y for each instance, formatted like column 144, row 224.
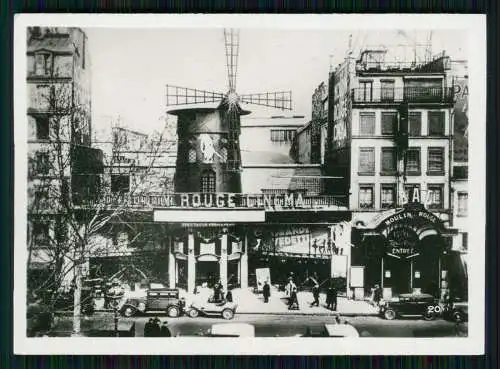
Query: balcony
column 423, row 95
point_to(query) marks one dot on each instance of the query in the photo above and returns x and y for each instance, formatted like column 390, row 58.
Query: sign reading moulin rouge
column 411, row 215
column 211, row 200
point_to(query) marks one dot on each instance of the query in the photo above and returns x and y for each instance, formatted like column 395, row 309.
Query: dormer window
column 43, row 64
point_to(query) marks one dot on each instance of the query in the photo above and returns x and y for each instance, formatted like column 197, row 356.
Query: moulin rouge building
column 235, row 200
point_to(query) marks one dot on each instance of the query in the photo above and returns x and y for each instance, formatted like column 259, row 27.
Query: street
column 271, row 325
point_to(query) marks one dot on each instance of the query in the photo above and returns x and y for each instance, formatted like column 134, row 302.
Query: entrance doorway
column 207, row 272
column 397, row 275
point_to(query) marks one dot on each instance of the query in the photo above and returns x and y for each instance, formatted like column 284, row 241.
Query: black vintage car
column 410, row 305
column 156, row 300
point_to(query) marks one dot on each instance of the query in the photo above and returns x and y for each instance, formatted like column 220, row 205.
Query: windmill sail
column 177, row 95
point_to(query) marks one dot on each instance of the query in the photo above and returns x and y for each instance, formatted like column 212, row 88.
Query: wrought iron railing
column 404, row 94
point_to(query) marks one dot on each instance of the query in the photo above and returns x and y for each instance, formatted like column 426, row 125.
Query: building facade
column 390, row 136
column 59, row 141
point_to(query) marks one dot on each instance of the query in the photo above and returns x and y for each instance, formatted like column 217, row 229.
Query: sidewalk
column 251, row 303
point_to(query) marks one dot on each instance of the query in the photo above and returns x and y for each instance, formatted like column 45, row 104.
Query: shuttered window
column 367, row 160
column 389, row 123
column 367, row 124
column 389, row 160
column 415, row 123
column 436, row 123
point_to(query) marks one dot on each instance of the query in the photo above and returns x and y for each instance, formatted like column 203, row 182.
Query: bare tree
column 75, row 199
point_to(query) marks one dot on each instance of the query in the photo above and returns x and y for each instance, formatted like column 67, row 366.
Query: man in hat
column 148, row 328
column 164, row 331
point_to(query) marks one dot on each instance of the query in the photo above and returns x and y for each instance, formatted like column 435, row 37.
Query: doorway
column 207, row 272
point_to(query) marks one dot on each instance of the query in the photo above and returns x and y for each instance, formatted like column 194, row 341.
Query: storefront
column 403, row 251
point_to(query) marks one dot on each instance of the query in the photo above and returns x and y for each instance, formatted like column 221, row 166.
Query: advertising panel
column 461, row 122
column 262, row 275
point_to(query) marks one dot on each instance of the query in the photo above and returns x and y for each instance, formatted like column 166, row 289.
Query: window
column 42, row 128
column 365, row 90
column 387, row 90
column 41, row 196
column 463, row 199
column 389, row 160
column 367, row 124
column 387, row 196
column 366, row 197
column 208, row 181
column 367, row 160
column 412, row 192
column 223, row 155
column 415, row 123
column 42, row 163
column 389, row 122
column 282, row 135
column 434, row 196
column 413, row 161
column 436, row 123
column 435, row 160
column 120, row 183
column 192, row 156
column 43, row 64
column 41, row 232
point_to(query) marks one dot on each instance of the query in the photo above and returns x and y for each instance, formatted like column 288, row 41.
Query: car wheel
column 173, row 312
column 128, row 311
column 227, row 314
column 390, row 314
column 193, row 313
column 458, row 317
column 429, row 316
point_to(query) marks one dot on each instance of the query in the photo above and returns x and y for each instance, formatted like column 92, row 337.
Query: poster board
column 262, row 275
column 357, row 276
column 339, row 266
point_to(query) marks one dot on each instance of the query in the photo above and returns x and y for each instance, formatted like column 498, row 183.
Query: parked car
column 212, row 307
column 457, row 312
column 156, row 300
column 406, row 305
column 231, row 330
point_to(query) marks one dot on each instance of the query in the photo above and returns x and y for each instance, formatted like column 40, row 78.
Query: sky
column 130, row 67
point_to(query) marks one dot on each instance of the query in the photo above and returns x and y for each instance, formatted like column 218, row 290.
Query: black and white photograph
column 302, row 184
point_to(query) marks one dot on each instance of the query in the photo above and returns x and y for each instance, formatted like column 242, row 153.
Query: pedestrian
column 329, row 297
column 377, row 295
column 266, row 291
column 155, row 329
column 164, row 331
column 315, row 292
column 148, row 328
column 229, row 296
column 293, row 303
column 334, row 298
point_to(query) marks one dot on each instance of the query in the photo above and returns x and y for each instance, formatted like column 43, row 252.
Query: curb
column 286, row 313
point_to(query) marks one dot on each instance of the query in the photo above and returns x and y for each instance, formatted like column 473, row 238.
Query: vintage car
column 457, row 312
column 212, row 307
column 231, row 330
column 156, row 300
column 410, row 305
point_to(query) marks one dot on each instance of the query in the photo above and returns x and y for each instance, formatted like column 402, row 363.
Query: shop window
column 208, row 181
column 388, row 196
column 367, row 124
column 435, row 121
column 415, row 123
column 413, row 161
column 435, row 161
column 42, row 163
column 389, row 122
column 366, row 198
column 389, row 160
column 463, row 199
column 435, row 196
column 192, row 156
column 387, row 90
column 42, row 128
column 366, row 161
column 43, row 64
column 120, row 183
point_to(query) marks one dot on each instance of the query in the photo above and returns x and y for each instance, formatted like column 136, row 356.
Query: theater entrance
column 207, row 273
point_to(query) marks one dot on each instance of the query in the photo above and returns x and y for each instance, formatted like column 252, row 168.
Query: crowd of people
column 154, row 329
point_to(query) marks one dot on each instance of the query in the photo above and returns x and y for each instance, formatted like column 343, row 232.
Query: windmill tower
column 208, row 129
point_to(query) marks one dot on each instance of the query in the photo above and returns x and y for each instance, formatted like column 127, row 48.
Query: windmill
column 208, row 155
